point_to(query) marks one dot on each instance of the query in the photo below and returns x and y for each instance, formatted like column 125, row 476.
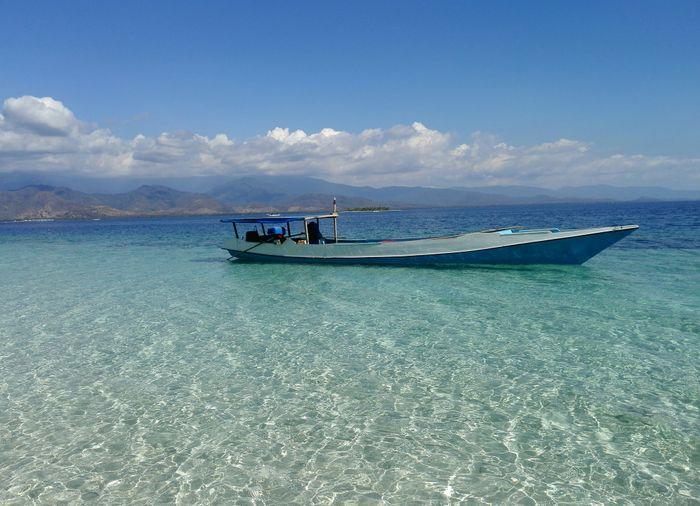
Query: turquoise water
column 137, row 364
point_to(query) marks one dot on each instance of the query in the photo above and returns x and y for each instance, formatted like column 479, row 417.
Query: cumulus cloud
column 43, row 134
column 43, row 116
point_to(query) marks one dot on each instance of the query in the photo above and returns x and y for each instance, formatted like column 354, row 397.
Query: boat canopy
column 311, row 224
column 278, row 219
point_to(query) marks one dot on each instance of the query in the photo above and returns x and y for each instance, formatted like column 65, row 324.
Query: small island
column 372, row 209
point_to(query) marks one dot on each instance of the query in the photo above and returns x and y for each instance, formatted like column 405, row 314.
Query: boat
column 299, row 239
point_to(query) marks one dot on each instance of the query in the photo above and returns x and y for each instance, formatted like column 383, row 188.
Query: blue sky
column 622, row 77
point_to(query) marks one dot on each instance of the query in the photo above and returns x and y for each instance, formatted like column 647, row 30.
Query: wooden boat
column 272, row 239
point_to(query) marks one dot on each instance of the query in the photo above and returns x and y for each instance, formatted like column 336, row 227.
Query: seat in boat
column 252, row 236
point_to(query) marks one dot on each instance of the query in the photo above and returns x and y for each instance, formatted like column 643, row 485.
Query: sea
column 139, row 365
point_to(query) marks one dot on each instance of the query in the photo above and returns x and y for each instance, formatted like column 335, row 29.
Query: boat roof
column 278, row 219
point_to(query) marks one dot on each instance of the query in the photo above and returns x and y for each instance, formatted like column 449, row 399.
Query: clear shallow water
column 137, row 364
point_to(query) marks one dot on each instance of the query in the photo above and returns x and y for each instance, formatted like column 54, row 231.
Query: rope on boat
column 266, row 241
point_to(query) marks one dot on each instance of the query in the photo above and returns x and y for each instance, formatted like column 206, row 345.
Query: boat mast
column 335, row 221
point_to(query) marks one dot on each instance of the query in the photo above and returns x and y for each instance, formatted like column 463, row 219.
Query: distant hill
column 283, row 192
column 44, row 201
column 197, row 184
column 596, row 192
column 279, row 193
column 264, row 190
column 288, row 193
column 161, row 199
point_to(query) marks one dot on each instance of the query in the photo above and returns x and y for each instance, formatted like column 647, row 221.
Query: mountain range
column 37, row 196
column 44, row 201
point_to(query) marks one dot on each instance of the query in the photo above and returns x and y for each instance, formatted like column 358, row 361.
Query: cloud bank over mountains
column 42, row 134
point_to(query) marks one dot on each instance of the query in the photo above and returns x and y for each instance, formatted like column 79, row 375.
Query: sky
column 434, row 93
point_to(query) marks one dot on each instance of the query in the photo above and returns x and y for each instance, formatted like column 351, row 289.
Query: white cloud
column 43, row 134
column 44, row 116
